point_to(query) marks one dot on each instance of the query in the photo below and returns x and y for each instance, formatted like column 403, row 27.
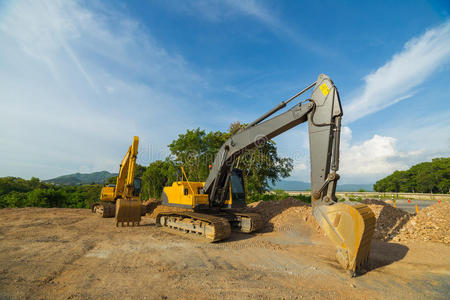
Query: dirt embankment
column 74, row 254
column 430, row 224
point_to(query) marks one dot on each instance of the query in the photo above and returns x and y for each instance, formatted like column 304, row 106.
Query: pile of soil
column 269, row 209
column 430, row 224
column 278, row 215
column 390, row 220
column 151, row 204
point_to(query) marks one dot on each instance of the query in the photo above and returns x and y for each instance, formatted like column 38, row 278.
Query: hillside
column 425, row 177
column 80, row 178
column 288, row 185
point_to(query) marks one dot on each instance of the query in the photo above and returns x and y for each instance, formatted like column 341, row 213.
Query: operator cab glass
column 237, row 188
column 136, row 187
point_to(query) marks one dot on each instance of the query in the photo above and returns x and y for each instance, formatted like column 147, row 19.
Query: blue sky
column 79, row 78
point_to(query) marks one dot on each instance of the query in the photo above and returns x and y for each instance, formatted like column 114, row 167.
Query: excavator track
column 242, row 222
column 104, row 209
column 212, row 228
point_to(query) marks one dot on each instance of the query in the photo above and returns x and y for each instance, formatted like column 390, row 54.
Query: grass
column 278, row 195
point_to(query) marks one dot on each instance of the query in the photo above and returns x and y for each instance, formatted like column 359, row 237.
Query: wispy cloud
column 220, row 11
column 77, row 83
column 397, row 79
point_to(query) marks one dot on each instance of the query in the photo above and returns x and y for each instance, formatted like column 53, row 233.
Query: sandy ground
column 73, row 254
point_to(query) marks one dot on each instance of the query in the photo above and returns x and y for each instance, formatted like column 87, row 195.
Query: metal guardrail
column 417, row 196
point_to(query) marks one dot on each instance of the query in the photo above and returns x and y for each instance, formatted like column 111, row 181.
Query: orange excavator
column 122, row 200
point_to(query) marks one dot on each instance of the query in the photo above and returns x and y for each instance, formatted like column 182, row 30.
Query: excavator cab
column 137, row 183
column 237, row 188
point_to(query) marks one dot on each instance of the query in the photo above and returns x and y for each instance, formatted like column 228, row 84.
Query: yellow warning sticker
column 324, row 88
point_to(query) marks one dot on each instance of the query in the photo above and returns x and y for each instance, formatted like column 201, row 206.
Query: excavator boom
column 128, row 204
column 349, row 225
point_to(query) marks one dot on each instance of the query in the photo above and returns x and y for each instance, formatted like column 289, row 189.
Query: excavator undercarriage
column 212, row 225
column 104, row 209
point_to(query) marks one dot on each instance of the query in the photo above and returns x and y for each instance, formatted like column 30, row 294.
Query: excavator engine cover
column 350, row 226
column 128, row 211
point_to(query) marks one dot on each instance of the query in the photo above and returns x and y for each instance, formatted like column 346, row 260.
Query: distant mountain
column 79, row 178
column 288, row 185
column 354, row 187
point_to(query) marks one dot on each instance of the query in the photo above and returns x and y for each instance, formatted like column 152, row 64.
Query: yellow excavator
column 212, row 206
column 122, row 200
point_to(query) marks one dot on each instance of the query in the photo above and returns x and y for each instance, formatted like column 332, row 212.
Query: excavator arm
column 349, row 225
column 125, row 179
column 128, row 206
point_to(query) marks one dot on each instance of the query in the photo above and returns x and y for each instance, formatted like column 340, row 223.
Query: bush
column 18, row 192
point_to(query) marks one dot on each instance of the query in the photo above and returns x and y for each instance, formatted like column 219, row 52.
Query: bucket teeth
column 127, row 224
column 350, row 226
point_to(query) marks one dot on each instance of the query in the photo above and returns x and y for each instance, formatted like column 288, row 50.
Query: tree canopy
column 426, row 177
column 18, row 192
column 195, row 150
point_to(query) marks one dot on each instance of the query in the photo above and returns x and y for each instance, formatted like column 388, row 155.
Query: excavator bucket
column 350, row 225
column 128, row 211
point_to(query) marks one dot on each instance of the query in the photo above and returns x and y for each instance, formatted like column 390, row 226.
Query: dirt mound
column 278, row 214
column 430, row 224
column 289, row 218
column 151, row 204
column 269, row 209
column 390, row 220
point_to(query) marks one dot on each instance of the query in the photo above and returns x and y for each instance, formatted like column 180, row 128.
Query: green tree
column 156, row 176
column 139, row 171
column 18, row 192
column 196, row 150
column 45, row 198
column 111, row 180
column 426, row 177
column 262, row 165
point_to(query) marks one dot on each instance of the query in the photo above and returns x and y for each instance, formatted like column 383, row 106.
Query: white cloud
column 374, row 157
column 398, row 78
column 78, row 83
column 363, row 162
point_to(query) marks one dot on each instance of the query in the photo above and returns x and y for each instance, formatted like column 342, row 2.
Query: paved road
column 411, row 207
